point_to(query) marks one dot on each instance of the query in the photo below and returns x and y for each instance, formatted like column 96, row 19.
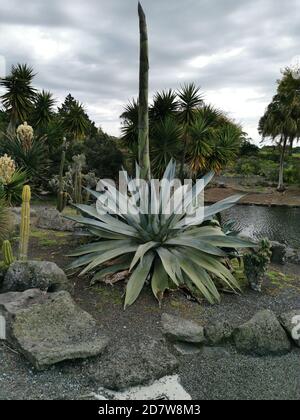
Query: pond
column 280, row 224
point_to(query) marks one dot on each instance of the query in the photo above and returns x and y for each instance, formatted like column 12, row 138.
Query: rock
column 50, row 328
column 42, row 275
column 214, row 352
column 178, row 329
column 16, row 218
column 278, row 253
column 12, row 302
column 51, row 219
column 262, row 335
column 137, row 363
column 291, row 323
column 293, row 256
column 218, row 333
column 187, row 348
column 17, row 211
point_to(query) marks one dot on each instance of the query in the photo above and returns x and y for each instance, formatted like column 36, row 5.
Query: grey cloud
column 101, row 65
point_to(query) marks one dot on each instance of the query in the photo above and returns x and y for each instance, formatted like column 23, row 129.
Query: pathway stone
column 291, row 323
column 262, row 335
column 133, row 364
column 179, row 329
column 50, row 328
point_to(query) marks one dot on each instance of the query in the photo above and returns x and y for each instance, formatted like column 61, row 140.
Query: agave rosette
column 174, row 250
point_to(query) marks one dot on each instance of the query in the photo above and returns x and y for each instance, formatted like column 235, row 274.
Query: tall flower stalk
column 144, row 155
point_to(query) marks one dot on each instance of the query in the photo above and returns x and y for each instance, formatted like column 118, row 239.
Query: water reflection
column 276, row 223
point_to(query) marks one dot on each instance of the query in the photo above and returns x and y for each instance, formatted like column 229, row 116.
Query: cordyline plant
column 174, row 250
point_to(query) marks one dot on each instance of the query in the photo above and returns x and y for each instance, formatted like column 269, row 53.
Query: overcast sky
column 233, row 49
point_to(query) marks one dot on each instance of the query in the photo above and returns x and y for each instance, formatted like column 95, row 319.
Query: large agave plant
column 175, row 250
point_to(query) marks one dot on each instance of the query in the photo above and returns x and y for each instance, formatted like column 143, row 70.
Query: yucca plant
column 12, row 190
column 175, row 250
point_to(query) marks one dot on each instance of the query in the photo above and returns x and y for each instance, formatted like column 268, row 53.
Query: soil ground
column 265, row 197
column 215, row 373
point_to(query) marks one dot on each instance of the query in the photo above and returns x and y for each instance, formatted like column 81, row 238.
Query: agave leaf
column 85, row 259
column 123, row 203
column 222, row 205
column 170, row 171
column 228, row 241
column 141, row 251
column 170, row 264
column 109, row 255
column 200, row 245
column 107, row 227
column 103, row 234
column 212, row 265
column 112, row 269
column 194, row 275
column 137, row 279
column 209, row 212
column 160, row 280
column 201, row 231
column 105, row 218
column 100, row 246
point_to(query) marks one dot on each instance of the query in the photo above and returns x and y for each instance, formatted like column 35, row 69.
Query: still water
column 276, row 223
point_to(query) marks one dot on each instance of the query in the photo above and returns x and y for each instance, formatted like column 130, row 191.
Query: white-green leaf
column 137, row 279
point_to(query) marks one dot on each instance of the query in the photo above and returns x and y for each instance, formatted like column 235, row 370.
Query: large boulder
column 278, row 253
column 52, row 219
column 262, row 335
column 132, row 364
column 179, row 329
column 42, row 275
column 50, row 328
column 291, row 323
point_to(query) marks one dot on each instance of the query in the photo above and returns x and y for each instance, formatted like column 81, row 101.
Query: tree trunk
column 281, row 186
column 144, row 157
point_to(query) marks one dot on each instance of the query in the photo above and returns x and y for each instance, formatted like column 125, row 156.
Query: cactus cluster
column 7, row 169
column 25, row 223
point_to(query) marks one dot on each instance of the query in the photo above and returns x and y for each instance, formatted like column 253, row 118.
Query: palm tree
column 165, row 105
column 19, row 96
column 214, row 141
column 43, row 110
column 225, row 146
column 74, row 119
column 190, row 100
column 165, row 144
column 281, row 121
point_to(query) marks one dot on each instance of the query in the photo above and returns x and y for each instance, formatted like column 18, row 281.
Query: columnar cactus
column 7, row 253
column 62, row 196
column 25, row 223
column 79, row 163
